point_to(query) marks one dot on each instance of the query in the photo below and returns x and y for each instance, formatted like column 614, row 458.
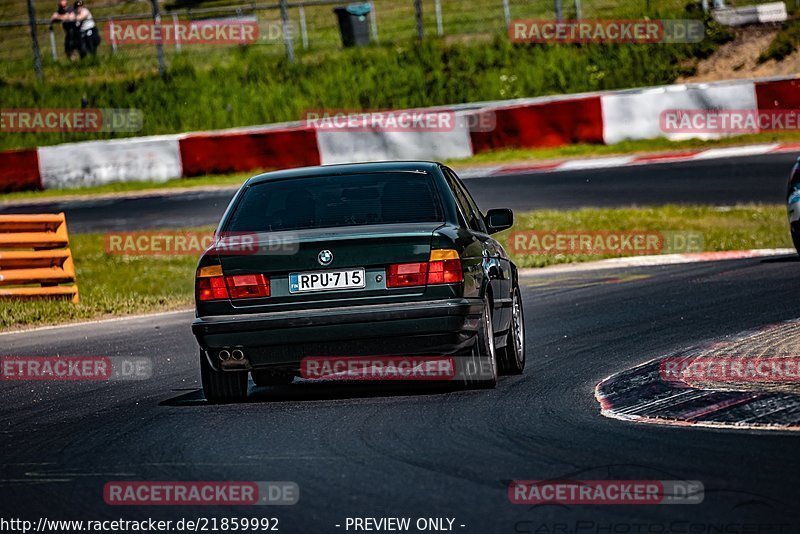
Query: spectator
column 89, row 38
column 65, row 15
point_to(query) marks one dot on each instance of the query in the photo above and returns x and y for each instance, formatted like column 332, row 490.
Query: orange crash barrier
column 35, row 260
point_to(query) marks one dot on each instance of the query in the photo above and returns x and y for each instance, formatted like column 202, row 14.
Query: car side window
column 478, row 217
column 468, row 206
column 463, row 213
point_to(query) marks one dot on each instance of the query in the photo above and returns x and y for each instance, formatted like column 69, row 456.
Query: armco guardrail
column 606, row 117
column 35, row 259
column 760, row 14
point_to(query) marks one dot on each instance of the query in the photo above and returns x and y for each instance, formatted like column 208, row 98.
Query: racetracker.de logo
column 607, row 492
column 385, row 121
column 212, row 31
column 194, row 243
column 605, row 242
column 731, row 369
column 727, row 121
column 607, row 31
column 70, row 120
column 379, row 368
column 74, row 368
column 197, row 493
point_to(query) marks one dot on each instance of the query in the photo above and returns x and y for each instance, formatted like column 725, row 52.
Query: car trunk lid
column 282, row 255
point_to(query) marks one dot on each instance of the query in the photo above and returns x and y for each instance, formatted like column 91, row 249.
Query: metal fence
column 291, row 27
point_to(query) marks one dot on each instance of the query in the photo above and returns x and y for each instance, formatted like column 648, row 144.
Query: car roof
column 346, row 168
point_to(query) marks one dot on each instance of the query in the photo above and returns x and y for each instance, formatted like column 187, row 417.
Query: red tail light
column 445, row 272
column 443, row 267
column 212, row 285
column 406, row 274
column 248, row 286
column 212, row 288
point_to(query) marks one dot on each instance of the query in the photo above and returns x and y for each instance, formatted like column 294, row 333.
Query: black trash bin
column 353, row 24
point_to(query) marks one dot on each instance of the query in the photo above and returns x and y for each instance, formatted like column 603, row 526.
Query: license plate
column 326, row 280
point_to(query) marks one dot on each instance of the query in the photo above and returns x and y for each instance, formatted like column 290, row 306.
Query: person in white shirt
column 88, row 30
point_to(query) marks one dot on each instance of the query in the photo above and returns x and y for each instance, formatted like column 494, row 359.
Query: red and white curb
column 630, row 161
column 639, row 395
column 657, row 260
column 607, row 411
column 600, row 118
column 486, row 171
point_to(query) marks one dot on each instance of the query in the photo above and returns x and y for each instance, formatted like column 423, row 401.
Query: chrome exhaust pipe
column 237, row 354
column 224, row 355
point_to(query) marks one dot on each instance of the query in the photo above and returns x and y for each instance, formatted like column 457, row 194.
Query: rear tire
column 222, row 386
column 267, row 378
column 512, row 356
column 478, row 369
column 795, row 231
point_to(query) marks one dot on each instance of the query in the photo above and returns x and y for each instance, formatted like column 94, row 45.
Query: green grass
column 523, row 155
column 395, row 21
column 722, row 228
column 112, row 285
column 249, row 85
column 785, row 42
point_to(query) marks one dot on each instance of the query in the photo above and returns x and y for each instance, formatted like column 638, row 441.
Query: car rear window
column 328, row 201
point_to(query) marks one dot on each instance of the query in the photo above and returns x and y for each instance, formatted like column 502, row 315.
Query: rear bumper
column 283, row 339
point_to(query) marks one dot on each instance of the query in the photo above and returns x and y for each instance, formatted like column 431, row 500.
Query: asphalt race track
column 718, row 182
column 383, row 451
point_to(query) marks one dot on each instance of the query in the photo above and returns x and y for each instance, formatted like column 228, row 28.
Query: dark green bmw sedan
column 371, row 271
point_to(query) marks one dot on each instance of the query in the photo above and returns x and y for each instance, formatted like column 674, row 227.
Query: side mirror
column 499, row 219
